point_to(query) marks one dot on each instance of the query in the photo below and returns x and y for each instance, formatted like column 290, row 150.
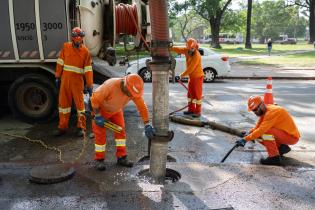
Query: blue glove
column 149, row 131
column 240, row 143
column 99, row 120
column 90, row 91
column 57, row 83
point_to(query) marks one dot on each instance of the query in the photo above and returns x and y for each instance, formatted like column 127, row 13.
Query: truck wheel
column 32, row 98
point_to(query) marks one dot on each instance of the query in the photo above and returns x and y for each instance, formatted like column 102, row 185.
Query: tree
column 248, row 44
column 212, row 11
column 310, row 6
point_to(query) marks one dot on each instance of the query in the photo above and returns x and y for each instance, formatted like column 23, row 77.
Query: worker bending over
column 108, row 102
column 275, row 129
column 73, row 64
column 195, row 73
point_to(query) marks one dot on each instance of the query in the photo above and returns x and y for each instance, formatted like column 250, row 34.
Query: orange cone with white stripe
column 268, row 96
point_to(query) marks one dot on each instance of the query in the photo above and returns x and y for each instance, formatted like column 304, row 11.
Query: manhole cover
column 171, row 175
column 50, row 174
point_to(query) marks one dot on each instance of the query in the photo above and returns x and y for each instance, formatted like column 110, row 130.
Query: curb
column 273, row 77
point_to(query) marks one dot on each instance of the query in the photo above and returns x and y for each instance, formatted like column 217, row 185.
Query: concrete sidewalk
column 261, row 72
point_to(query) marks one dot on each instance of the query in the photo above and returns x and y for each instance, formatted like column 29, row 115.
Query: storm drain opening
column 171, row 176
column 169, row 158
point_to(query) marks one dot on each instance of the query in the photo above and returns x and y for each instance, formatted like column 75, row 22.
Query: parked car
column 214, row 66
column 289, row 41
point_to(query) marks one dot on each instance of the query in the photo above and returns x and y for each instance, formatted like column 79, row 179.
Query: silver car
column 214, row 66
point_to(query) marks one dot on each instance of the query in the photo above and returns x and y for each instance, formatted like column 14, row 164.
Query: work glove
column 57, row 83
column 99, row 120
column 90, row 91
column 149, row 131
column 240, row 143
column 244, row 133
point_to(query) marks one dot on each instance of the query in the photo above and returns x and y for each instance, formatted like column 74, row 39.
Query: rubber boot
column 123, row 161
column 283, row 149
column 195, row 115
column 276, row 160
column 100, row 165
column 188, row 113
column 59, row 132
column 80, row 132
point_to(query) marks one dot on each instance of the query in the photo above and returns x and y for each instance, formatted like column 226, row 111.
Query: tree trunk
column 215, row 31
column 248, row 44
column 312, row 21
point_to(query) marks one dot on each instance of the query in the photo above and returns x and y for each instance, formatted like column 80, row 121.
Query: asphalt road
column 239, row 183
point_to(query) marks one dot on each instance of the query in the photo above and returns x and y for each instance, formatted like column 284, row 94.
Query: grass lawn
column 306, row 59
column 238, row 50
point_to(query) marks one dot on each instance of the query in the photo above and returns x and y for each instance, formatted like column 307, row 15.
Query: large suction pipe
column 160, row 67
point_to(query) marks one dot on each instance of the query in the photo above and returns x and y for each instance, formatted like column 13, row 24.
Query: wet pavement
column 239, row 183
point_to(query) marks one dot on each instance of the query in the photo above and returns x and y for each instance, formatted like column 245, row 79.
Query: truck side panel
column 6, row 46
column 25, row 29
column 54, row 31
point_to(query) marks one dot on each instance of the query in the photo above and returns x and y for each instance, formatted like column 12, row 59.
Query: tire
column 146, row 75
column 210, row 75
column 33, row 98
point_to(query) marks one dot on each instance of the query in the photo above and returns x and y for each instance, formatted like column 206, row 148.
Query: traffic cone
column 268, row 96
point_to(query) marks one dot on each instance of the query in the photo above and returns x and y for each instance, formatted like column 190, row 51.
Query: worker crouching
column 108, row 102
column 73, row 64
column 275, row 129
column 196, row 75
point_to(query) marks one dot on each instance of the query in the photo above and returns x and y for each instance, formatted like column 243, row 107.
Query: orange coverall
column 195, row 73
column 72, row 65
column 110, row 100
column 274, row 128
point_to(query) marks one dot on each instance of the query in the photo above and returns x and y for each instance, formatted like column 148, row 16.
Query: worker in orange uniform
column 195, row 73
column 73, row 65
column 275, row 129
column 108, row 102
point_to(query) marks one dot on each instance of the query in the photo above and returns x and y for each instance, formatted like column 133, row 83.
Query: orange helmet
column 192, row 44
column 134, row 85
column 77, row 35
column 254, row 102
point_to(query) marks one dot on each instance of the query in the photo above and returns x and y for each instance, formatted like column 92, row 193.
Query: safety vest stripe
column 268, row 91
column 194, row 101
column 268, row 137
column 65, row 110
column 87, row 69
column 73, row 69
column 60, row 61
column 199, row 102
column 100, row 148
column 120, row 142
column 81, row 111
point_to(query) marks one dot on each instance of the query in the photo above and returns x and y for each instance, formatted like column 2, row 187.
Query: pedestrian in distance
column 275, row 129
column 108, row 102
column 73, row 66
column 314, row 44
column 269, row 46
column 195, row 73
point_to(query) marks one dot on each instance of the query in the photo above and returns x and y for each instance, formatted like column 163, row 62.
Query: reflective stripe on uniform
column 81, row 111
column 268, row 137
column 73, row 69
column 268, row 91
column 199, row 102
column 60, row 61
column 87, row 69
column 100, row 148
column 189, row 100
column 120, row 142
column 65, row 110
column 194, row 101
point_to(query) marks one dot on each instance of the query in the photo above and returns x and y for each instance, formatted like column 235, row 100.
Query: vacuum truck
column 33, row 33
